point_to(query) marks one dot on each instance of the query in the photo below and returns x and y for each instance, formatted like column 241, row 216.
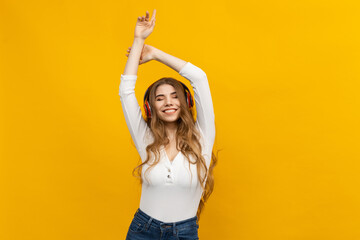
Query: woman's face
column 167, row 104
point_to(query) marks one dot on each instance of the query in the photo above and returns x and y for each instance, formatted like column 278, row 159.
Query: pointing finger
column 153, row 14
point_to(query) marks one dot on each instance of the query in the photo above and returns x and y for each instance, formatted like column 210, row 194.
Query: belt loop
column 148, row 223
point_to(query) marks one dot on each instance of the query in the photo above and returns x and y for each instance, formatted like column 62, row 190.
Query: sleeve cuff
column 129, row 77
column 185, row 68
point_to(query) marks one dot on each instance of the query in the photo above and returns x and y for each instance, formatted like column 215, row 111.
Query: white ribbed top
column 171, row 194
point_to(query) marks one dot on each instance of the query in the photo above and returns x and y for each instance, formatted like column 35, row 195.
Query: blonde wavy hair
column 187, row 139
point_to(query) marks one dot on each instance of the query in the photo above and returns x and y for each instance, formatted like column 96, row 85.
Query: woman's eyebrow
column 161, row 95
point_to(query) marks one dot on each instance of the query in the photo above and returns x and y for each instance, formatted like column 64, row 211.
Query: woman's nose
column 168, row 101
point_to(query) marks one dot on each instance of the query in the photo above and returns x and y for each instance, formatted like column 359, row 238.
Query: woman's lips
column 170, row 111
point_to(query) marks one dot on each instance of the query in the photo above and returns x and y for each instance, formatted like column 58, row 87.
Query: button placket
column 169, row 177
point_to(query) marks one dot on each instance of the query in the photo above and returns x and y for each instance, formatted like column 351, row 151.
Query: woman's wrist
column 156, row 54
column 139, row 39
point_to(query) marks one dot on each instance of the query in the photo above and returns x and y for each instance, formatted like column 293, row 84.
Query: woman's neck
column 171, row 129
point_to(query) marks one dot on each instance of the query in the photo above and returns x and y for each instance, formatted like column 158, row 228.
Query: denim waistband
column 157, row 223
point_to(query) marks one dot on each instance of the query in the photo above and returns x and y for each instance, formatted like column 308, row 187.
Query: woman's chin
column 170, row 119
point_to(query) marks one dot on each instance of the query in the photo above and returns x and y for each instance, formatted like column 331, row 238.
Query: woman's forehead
column 164, row 88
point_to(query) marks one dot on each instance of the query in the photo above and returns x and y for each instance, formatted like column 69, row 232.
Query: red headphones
column 187, row 93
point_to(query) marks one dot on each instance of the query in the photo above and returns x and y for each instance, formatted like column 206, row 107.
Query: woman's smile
column 170, row 111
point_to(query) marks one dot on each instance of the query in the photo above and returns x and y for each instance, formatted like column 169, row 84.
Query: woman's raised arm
column 171, row 61
column 144, row 27
column 131, row 109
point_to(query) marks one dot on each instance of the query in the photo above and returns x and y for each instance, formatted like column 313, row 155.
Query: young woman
column 176, row 151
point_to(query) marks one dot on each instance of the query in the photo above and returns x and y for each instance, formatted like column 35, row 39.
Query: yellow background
column 284, row 77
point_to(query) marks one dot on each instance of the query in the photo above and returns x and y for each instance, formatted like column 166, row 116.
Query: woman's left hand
column 147, row 53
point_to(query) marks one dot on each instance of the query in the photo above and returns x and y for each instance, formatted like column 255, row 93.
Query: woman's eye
column 159, row 99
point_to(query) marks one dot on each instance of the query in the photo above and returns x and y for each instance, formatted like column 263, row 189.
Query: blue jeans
column 144, row 227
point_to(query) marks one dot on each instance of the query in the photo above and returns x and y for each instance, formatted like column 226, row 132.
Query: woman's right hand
column 147, row 53
column 144, row 27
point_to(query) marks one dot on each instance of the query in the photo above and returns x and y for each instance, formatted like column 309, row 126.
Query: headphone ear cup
column 191, row 100
column 146, row 104
column 188, row 96
column 188, row 99
column 147, row 109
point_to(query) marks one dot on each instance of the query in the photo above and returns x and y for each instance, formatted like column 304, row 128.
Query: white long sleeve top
column 172, row 193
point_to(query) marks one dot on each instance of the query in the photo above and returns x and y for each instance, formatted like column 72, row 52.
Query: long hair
column 187, row 138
